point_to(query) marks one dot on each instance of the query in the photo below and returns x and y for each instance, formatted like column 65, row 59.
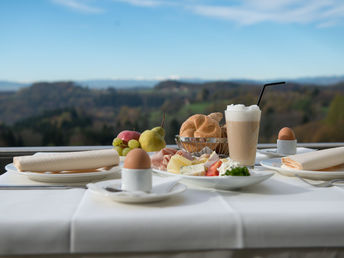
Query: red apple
column 127, row 135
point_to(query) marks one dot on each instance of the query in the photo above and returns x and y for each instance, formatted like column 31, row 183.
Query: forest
column 65, row 114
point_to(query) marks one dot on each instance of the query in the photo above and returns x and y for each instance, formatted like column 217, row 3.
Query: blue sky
column 159, row 39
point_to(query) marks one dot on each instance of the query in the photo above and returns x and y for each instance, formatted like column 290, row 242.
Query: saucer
column 273, row 151
column 138, row 197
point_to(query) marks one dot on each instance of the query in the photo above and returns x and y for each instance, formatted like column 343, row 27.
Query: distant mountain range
column 118, row 84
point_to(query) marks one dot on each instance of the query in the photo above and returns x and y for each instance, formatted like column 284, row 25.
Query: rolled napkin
column 67, row 161
column 315, row 160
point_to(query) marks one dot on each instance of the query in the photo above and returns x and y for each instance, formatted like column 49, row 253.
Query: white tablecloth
column 37, row 221
column 195, row 220
column 282, row 212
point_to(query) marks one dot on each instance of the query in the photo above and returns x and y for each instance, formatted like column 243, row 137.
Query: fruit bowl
column 196, row 144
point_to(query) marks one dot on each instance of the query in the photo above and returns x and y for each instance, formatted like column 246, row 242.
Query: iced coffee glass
column 242, row 132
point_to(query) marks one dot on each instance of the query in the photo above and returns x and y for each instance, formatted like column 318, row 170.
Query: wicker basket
column 196, row 144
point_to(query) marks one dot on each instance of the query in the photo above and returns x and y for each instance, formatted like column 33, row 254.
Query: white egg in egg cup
column 137, row 180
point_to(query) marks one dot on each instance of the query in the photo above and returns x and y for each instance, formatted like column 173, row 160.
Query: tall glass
column 242, row 132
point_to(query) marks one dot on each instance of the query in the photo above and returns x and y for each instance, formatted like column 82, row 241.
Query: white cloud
column 79, row 6
column 249, row 12
column 143, row 3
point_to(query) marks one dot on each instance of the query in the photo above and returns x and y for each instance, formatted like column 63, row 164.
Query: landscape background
column 68, row 113
column 77, row 72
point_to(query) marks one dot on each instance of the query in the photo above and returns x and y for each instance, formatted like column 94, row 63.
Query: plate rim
column 276, row 154
column 141, row 199
column 213, row 177
column 296, row 171
column 11, row 168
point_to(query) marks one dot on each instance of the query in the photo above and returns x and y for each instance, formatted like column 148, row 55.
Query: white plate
column 223, row 182
column 273, row 152
column 132, row 197
column 65, row 177
column 276, row 163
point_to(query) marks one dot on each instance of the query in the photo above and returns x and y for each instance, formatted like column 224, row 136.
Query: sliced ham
column 185, row 154
column 159, row 157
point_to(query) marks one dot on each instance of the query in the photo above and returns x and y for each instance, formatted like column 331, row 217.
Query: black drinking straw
column 266, row 85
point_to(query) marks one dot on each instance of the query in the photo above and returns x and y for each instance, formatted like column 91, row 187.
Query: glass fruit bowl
column 196, row 144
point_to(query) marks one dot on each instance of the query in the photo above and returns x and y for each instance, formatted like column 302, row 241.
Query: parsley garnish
column 239, row 171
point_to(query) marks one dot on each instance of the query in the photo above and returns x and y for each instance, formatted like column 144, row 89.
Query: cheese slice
column 193, row 170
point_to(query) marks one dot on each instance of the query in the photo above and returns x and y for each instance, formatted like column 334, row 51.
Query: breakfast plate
column 222, row 182
column 273, row 151
column 136, row 197
column 51, row 177
column 276, row 164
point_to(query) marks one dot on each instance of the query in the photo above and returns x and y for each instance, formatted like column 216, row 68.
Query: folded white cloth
column 36, row 221
column 284, row 212
column 83, row 160
column 193, row 220
column 315, row 160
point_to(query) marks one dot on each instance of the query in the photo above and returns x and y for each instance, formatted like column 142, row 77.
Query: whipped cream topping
column 242, row 108
column 241, row 112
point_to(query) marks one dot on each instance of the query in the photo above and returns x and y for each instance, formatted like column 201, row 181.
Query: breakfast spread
column 72, row 162
column 136, row 172
column 286, row 142
column 317, row 160
column 182, row 162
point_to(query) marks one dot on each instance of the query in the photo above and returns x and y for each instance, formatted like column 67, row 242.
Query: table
column 281, row 217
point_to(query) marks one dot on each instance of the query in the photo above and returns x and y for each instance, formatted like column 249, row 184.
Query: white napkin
column 82, row 160
column 316, row 160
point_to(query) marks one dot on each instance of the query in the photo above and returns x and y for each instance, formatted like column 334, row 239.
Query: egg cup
column 137, row 180
column 287, row 147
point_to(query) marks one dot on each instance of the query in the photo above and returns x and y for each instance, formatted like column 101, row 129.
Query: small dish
column 273, row 151
column 136, row 197
column 50, row 177
column 276, row 164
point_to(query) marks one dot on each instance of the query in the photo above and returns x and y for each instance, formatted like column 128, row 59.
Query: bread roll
column 216, row 116
column 200, row 126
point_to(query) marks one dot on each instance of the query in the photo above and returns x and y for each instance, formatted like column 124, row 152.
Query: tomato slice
column 212, row 171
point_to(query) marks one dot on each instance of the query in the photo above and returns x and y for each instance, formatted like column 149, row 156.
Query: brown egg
column 286, row 133
column 137, row 159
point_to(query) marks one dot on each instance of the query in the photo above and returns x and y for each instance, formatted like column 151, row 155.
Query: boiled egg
column 286, row 133
column 137, row 159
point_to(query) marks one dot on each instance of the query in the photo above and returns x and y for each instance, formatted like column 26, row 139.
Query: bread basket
column 196, row 144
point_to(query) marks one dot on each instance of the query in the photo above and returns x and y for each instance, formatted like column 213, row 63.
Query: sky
column 163, row 39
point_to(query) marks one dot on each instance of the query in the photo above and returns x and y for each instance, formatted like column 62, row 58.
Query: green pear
column 151, row 140
column 159, row 130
